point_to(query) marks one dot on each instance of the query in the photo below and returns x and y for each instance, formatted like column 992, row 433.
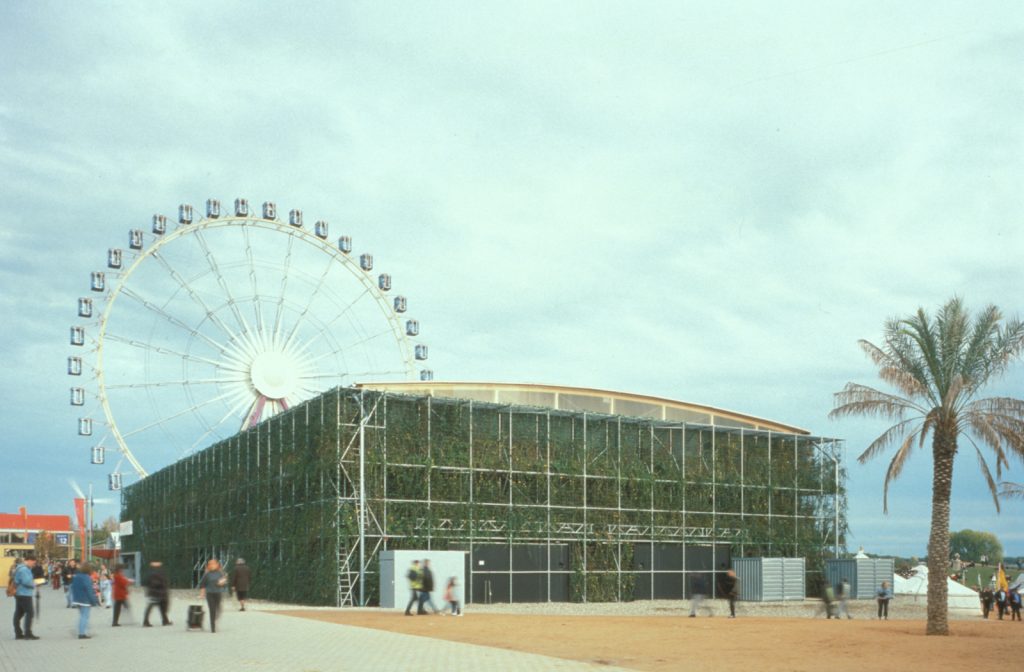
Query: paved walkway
column 254, row 640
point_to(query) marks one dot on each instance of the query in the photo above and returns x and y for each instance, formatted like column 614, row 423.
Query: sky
column 704, row 201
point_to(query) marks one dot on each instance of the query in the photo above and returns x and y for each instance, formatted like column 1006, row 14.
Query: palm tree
column 938, row 366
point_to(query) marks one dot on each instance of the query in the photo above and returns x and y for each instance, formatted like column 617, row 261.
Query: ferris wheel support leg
column 257, row 412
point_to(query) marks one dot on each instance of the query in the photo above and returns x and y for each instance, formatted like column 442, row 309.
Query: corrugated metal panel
column 794, row 578
column 862, row 588
column 770, row 579
column 772, row 582
column 748, row 570
column 864, row 574
column 882, row 570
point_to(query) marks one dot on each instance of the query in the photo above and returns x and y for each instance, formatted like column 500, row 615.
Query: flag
column 1001, row 582
column 80, row 516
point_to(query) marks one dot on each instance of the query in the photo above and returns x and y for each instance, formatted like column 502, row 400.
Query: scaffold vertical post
column 362, row 498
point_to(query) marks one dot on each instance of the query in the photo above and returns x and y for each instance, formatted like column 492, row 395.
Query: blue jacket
column 82, row 591
column 23, row 579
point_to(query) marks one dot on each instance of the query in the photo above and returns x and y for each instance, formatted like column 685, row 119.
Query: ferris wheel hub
column 275, row 374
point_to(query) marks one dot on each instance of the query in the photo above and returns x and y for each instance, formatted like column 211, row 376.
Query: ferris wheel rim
column 270, row 370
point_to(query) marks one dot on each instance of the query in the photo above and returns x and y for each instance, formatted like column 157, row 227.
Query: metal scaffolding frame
column 312, row 495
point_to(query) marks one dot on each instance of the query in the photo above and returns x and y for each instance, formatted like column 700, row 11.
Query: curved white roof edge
column 439, row 388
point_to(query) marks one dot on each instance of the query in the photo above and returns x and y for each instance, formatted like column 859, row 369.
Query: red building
column 18, row 532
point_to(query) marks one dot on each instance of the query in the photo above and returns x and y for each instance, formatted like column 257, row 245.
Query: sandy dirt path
column 659, row 643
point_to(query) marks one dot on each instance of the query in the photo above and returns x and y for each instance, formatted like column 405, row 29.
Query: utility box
column 394, row 586
column 864, row 574
column 771, row 579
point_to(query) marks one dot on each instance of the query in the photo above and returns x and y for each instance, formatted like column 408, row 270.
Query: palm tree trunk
column 943, row 451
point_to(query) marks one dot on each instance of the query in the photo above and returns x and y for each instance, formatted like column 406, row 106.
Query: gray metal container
column 864, row 574
column 771, row 579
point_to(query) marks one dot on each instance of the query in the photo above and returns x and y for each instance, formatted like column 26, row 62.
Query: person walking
column 25, row 588
column 56, row 570
column 157, row 591
column 731, row 586
column 426, row 588
column 828, row 597
column 415, row 576
column 1000, row 603
column 987, row 597
column 843, row 593
column 699, row 595
column 212, row 587
column 241, row 580
column 106, row 588
column 83, row 596
column 39, row 579
column 119, row 592
column 451, row 597
column 883, row 595
column 70, row 569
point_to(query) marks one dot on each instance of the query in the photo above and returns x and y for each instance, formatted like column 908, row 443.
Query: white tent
column 960, row 596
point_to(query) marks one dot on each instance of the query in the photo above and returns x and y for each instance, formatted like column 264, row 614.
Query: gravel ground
column 901, row 608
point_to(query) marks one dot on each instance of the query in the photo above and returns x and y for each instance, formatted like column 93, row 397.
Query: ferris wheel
column 202, row 329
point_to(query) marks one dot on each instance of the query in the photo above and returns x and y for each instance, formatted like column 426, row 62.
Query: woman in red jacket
column 121, row 583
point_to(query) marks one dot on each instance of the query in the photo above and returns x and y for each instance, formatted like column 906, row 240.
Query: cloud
column 710, row 204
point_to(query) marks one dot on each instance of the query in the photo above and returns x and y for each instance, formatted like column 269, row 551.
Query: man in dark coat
column 157, row 592
column 70, row 569
column 426, row 587
column 241, row 580
column 731, row 588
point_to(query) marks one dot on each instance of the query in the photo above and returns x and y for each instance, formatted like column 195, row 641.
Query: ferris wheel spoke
column 279, row 310
column 173, row 416
column 163, row 351
column 340, row 314
column 260, row 327
column 353, row 345
column 176, row 383
column 309, row 300
column 349, row 374
column 194, row 295
column 232, row 304
column 232, row 412
column 149, row 305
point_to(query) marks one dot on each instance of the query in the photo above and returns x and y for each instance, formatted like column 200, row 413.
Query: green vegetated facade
column 442, row 474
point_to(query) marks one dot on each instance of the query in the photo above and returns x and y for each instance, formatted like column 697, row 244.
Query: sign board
column 125, row 529
column 61, row 539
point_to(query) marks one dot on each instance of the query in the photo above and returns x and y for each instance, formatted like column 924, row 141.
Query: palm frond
column 951, row 325
column 988, row 476
column 919, row 329
column 896, row 468
column 977, row 358
column 1002, row 431
column 1008, row 489
column 1006, row 346
column 954, row 398
column 897, row 431
column 856, row 399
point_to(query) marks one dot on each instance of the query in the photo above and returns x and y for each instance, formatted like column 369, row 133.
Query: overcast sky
column 704, row 201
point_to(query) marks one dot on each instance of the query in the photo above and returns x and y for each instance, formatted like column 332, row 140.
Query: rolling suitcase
column 195, row 617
